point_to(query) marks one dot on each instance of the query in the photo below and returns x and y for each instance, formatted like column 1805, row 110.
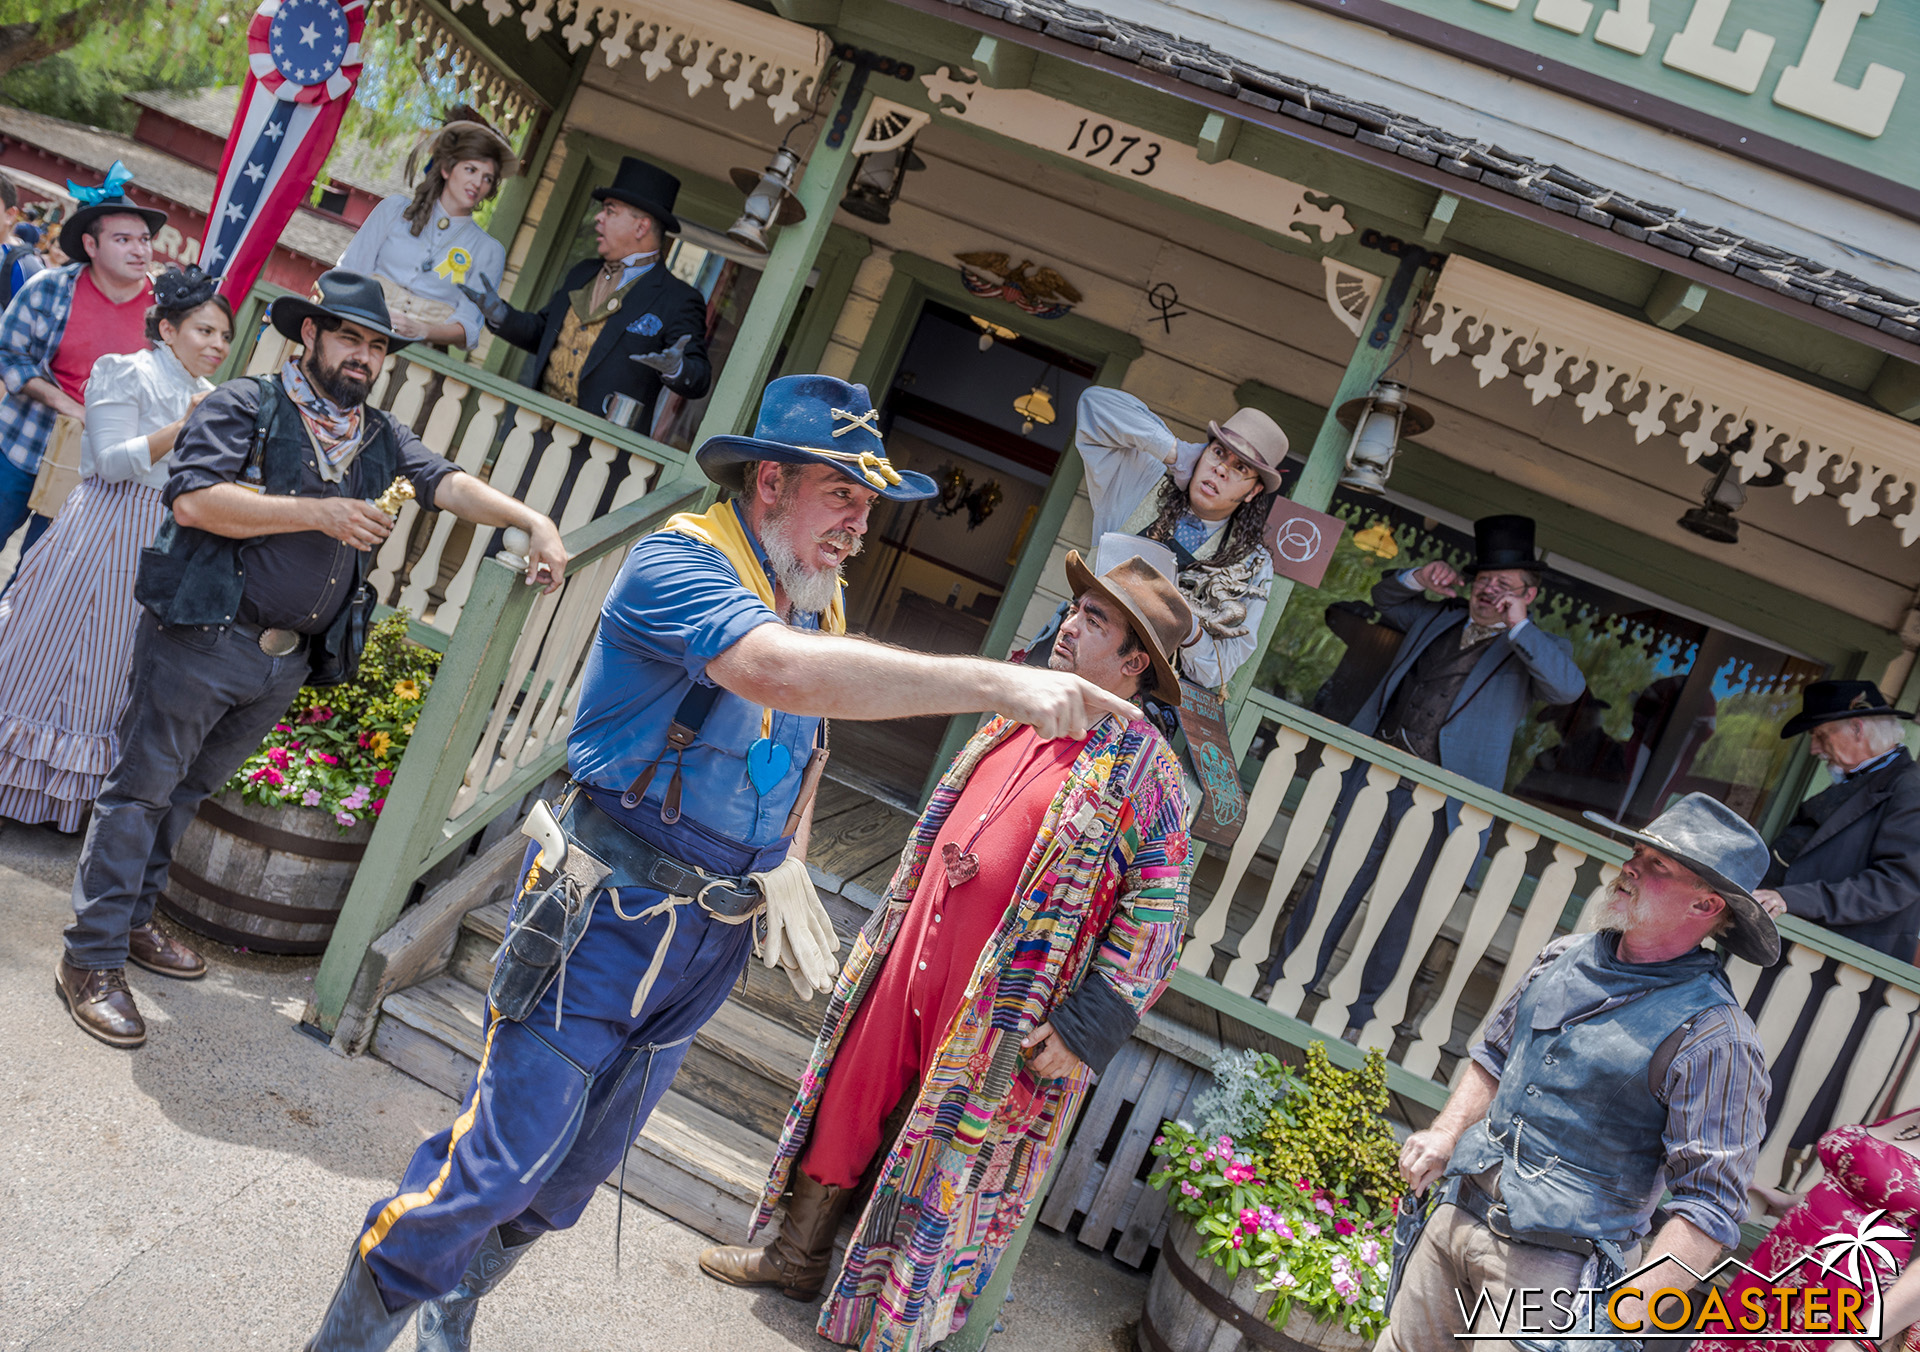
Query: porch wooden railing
column 518, row 439
column 1478, row 928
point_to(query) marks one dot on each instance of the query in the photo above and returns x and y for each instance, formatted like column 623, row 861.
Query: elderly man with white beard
column 1620, row 1067
column 680, row 841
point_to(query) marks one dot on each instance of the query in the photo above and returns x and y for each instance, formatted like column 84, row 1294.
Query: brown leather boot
column 101, row 1003
column 160, row 952
column 796, row 1260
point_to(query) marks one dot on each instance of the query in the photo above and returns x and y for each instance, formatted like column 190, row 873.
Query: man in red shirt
column 1074, row 847
column 61, row 322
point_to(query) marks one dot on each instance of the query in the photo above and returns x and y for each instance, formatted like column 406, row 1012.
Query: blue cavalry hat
column 1708, row 837
column 818, row 420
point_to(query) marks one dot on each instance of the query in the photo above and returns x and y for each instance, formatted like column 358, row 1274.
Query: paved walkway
column 198, row 1195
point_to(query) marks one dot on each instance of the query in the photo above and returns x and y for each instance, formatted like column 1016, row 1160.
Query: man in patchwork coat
column 1036, row 914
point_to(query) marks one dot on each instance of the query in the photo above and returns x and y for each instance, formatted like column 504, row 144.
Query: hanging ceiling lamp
column 1725, row 494
column 990, row 331
column 770, row 200
column 1036, row 407
column 1379, row 419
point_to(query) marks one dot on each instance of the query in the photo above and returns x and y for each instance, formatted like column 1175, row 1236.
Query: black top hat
column 1708, row 837
column 109, row 199
column 1502, row 542
column 819, row 420
column 343, row 295
column 646, row 186
column 1831, row 701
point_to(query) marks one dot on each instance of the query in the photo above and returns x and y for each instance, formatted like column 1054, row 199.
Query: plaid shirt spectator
column 30, row 333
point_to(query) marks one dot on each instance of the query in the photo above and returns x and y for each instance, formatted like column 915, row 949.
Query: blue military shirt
column 676, row 605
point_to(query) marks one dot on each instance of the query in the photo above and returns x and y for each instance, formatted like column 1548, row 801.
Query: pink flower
column 311, row 798
column 1344, row 1227
column 1236, row 1241
column 382, row 778
column 1309, row 1229
column 283, row 727
column 278, row 755
column 1303, row 1185
column 1189, row 1190
column 363, row 739
column 1194, row 1165
column 346, row 818
column 378, row 803
column 1323, row 1206
column 1370, row 1252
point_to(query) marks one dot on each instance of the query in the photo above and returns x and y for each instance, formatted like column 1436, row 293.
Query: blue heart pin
column 767, row 764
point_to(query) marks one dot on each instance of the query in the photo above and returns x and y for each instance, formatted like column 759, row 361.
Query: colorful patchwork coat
column 1103, row 897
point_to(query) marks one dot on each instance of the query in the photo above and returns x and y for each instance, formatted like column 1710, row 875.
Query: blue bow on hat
column 118, row 176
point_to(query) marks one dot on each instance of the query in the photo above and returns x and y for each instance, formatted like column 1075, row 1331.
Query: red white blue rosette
column 306, row 51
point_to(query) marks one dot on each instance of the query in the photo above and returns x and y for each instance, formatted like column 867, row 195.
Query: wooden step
column 746, row 1067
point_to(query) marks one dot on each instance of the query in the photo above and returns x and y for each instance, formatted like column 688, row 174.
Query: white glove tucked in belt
column 800, row 936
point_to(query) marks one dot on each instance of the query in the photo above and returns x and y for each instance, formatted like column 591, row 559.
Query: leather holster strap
column 1474, row 1201
column 637, row 863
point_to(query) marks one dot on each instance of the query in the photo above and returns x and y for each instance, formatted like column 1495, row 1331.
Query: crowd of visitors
column 207, row 555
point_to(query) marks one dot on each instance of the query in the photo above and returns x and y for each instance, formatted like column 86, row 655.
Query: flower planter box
column 1193, row 1306
column 270, row 879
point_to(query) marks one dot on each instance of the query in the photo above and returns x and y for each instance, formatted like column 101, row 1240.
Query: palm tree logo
column 1845, row 1252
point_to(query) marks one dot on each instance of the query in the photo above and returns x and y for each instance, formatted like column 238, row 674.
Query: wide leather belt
column 639, row 863
column 1474, row 1201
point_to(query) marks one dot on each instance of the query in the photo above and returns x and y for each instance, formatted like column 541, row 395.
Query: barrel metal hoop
column 246, row 905
column 287, row 842
column 1255, row 1330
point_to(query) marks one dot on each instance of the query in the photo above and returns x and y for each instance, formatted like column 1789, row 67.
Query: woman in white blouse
column 420, row 248
column 67, row 623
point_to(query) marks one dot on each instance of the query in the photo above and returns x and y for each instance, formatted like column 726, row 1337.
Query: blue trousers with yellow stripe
column 552, row 1110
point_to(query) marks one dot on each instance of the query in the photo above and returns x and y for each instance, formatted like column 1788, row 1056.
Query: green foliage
column 1336, row 1133
column 338, row 748
column 1299, row 1199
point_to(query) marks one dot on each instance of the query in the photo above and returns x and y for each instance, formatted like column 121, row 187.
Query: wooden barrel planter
column 270, row 879
column 1193, row 1306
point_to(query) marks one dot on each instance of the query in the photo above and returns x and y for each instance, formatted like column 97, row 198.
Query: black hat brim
column 1800, row 722
column 719, row 452
column 289, row 311
column 1754, row 935
column 669, row 222
column 76, row 225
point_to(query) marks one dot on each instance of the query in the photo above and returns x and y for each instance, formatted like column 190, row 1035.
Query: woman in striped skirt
column 67, row 622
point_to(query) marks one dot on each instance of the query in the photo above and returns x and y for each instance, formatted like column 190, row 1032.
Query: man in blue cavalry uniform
column 693, row 757
column 1620, row 1068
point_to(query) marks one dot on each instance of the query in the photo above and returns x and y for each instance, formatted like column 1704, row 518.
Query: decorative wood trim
column 1552, row 341
column 753, row 54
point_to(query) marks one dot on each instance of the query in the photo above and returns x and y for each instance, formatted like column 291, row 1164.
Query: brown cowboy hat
column 1155, row 609
column 1256, row 439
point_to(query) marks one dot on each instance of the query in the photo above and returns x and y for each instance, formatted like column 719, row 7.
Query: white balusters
column 472, row 458
column 1410, row 837
column 1340, row 866
column 1303, row 833
column 1787, row 998
column 640, row 475
column 269, row 353
column 406, row 409
column 377, row 395
column 583, row 494
column 507, row 469
column 1879, row 1057
column 1443, row 889
column 1837, row 1011
column 413, row 394
column 1503, row 879
column 1263, row 805
column 1483, row 923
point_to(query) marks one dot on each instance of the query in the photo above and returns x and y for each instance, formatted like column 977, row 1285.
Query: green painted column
column 1328, row 457
column 736, row 395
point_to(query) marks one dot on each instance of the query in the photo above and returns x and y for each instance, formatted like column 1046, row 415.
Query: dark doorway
column 933, row 574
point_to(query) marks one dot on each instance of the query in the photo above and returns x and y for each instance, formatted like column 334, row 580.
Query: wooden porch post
column 736, row 395
column 1328, row 457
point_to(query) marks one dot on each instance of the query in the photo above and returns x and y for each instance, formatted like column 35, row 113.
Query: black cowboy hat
column 343, row 295
column 1831, row 701
column 109, row 199
column 818, row 420
column 1502, row 542
column 646, row 186
column 1705, row 835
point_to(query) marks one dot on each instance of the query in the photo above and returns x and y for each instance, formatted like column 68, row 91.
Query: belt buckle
column 278, row 642
column 1495, row 1220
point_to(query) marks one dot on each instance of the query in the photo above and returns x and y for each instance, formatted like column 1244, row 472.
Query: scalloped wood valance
column 1659, row 382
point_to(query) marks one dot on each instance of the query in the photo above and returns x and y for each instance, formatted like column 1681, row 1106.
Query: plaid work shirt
column 30, row 333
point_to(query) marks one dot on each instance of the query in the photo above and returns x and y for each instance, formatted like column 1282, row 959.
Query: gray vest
column 1574, row 1124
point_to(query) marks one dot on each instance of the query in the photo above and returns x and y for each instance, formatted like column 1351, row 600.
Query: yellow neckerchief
column 720, row 527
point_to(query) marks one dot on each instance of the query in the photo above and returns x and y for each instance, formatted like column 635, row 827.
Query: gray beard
column 810, row 591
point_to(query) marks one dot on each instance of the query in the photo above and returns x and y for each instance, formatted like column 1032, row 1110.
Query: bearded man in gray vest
column 1620, row 1067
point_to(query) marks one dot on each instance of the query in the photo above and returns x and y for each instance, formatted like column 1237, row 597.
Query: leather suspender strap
column 688, row 719
column 816, row 767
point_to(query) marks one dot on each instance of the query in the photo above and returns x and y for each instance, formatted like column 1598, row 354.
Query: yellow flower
column 407, row 689
column 379, row 744
column 1378, row 540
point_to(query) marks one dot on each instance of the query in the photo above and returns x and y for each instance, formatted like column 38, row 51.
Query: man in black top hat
column 1850, row 858
column 622, row 325
column 255, row 587
column 1465, row 675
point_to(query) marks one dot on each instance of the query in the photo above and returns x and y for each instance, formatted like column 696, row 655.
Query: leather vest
column 1575, row 1126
